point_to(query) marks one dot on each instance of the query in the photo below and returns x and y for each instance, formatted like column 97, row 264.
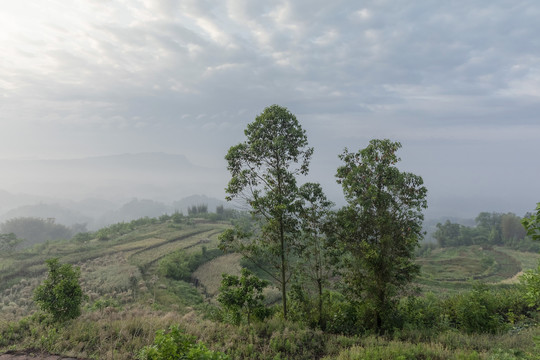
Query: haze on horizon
column 457, row 83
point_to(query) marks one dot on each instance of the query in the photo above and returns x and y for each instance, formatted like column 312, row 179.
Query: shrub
column 475, row 311
column 177, row 345
column 530, row 282
column 343, row 316
column 60, row 294
column 243, row 295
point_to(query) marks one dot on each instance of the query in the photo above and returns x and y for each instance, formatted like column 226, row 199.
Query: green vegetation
column 35, row 231
column 352, row 288
column 8, row 242
column 315, row 265
column 532, row 224
column 531, row 279
column 243, row 294
column 177, row 345
column 60, row 294
column 491, row 229
column 125, row 307
column 380, row 228
column 264, row 169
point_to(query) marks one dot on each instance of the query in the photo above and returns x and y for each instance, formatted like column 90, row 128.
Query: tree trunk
column 321, row 320
column 283, row 270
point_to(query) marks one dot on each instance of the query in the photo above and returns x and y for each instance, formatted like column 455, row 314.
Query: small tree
column 382, row 225
column 244, row 294
column 60, row 294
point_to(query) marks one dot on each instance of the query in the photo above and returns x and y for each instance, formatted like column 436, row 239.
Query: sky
column 456, row 82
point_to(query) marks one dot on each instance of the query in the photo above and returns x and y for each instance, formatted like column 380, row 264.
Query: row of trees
column 491, row 229
column 369, row 243
column 35, row 230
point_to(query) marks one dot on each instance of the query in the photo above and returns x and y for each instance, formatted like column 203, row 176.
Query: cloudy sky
column 456, row 82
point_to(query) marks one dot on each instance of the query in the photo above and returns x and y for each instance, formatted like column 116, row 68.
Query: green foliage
column 316, row 255
column 35, row 231
column 381, row 226
column 8, row 242
column 475, row 311
column 480, row 310
column 343, row 315
column 198, row 209
column 530, row 282
column 243, row 296
column 263, row 174
column 179, row 265
column 531, row 279
column 532, row 224
column 60, row 294
column 491, row 229
column 177, row 217
column 177, row 345
column 84, row 237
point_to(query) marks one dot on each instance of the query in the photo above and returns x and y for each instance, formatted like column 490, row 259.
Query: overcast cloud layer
column 457, row 82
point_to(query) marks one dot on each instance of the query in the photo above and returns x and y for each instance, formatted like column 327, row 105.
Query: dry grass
column 209, row 274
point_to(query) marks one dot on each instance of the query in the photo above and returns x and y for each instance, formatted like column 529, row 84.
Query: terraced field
column 454, row 269
column 119, row 268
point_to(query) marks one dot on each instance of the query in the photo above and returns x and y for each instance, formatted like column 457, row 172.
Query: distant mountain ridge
column 160, row 176
column 96, row 213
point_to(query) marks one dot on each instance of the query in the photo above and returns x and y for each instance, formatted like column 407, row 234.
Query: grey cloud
column 141, row 73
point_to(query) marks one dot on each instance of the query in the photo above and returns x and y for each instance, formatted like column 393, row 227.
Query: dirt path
column 513, row 280
column 32, row 355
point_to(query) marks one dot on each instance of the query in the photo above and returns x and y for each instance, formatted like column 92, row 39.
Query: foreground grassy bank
column 122, row 333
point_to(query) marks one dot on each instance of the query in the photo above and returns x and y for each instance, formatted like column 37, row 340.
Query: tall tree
column 264, row 170
column 511, row 228
column 382, row 225
column 315, row 252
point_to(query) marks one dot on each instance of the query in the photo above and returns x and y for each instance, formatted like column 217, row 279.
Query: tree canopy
column 60, row 294
column 381, row 225
column 263, row 175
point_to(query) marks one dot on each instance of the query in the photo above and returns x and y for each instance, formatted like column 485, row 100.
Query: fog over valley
column 98, row 191
column 121, row 100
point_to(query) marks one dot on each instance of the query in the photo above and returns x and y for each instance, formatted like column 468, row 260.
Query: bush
column 530, row 282
column 343, row 317
column 179, row 265
column 423, row 312
column 243, row 295
column 177, row 345
column 60, row 294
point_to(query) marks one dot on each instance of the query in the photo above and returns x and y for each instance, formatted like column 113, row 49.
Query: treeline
column 491, row 229
column 24, row 232
column 30, row 231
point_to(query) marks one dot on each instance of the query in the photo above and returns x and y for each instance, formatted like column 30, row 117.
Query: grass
column 127, row 302
column 209, row 274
